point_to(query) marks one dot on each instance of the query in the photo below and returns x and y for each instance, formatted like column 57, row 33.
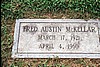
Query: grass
column 16, row 8
column 57, row 9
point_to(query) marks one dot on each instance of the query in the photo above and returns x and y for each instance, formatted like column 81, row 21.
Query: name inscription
column 83, row 28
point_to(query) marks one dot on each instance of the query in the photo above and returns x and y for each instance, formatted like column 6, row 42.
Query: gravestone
column 63, row 38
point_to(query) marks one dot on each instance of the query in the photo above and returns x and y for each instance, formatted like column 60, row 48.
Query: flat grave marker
column 49, row 38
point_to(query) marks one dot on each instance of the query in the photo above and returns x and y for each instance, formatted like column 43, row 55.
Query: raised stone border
column 16, row 33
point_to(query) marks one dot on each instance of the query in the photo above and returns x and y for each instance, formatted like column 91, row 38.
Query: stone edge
column 14, row 49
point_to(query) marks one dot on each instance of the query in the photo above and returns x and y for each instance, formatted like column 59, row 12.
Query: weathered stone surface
column 65, row 38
